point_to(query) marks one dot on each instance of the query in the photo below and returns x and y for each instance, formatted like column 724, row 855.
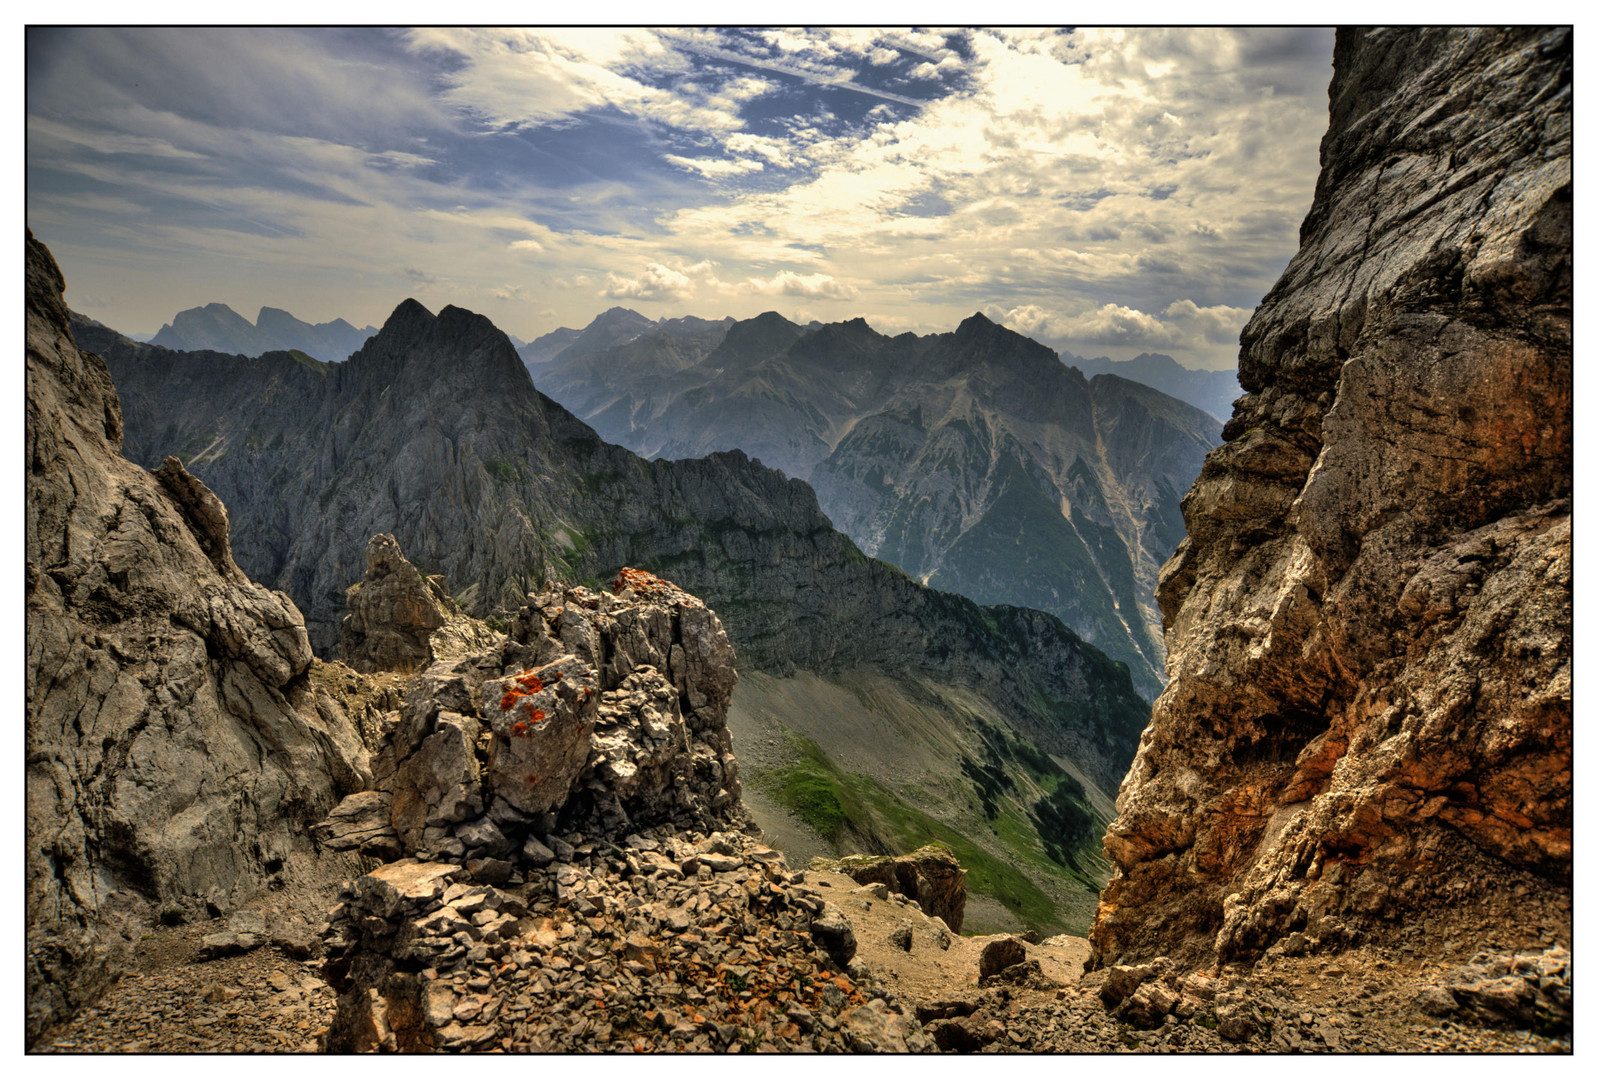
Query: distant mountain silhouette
column 219, row 328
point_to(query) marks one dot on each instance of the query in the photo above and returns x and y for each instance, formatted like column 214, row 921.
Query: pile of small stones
column 664, row 941
column 189, row 997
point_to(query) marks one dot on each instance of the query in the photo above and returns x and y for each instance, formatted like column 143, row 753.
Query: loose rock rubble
column 558, row 800
column 640, row 945
column 269, row 999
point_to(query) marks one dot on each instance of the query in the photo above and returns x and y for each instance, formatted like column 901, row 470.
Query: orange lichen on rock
column 641, row 582
column 526, row 683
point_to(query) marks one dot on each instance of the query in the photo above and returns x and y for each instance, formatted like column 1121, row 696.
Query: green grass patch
column 816, row 791
column 503, row 471
column 307, row 360
column 832, row 802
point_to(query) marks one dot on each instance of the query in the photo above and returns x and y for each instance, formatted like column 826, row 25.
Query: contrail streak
column 841, row 82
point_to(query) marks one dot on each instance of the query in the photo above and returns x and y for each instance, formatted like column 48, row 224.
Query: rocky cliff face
column 1369, row 624
column 176, row 754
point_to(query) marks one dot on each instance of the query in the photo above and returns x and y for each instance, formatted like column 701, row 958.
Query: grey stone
column 831, row 930
column 536, row 854
column 392, row 614
column 164, row 687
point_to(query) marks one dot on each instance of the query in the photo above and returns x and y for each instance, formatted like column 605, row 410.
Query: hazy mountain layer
column 975, row 460
column 219, row 328
column 1212, row 391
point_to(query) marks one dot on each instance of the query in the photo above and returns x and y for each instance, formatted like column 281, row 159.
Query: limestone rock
column 362, row 822
column 176, row 757
column 392, row 613
column 1369, row 625
column 1000, row 954
column 930, row 875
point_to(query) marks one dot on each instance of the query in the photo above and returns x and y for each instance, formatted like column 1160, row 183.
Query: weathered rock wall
column 176, row 755
column 1369, row 625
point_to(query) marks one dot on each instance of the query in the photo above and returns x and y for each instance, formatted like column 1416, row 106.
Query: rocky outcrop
column 555, row 811
column 1369, row 624
column 610, row 707
column 393, row 612
column 176, row 755
column 930, row 875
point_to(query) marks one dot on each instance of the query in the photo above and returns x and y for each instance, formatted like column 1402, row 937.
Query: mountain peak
column 615, row 315
column 763, row 336
column 978, row 329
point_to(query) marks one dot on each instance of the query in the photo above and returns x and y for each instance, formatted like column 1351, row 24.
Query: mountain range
column 1212, row 391
column 219, row 328
column 974, row 460
column 433, row 432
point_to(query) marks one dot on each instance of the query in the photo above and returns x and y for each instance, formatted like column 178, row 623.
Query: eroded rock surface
column 569, row 871
column 176, row 755
column 930, row 875
column 1369, row 625
column 393, row 612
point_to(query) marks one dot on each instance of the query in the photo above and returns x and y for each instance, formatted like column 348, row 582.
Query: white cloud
column 1220, row 324
column 514, row 78
column 1183, row 328
column 812, row 286
column 657, row 282
column 661, row 282
column 716, row 168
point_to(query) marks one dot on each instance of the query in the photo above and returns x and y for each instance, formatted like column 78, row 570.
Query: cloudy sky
column 1109, row 192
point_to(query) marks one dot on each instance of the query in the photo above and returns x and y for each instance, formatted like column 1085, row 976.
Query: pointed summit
column 753, row 340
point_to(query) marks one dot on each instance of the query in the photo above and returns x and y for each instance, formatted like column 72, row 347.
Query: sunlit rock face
column 176, row 753
column 1369, row 625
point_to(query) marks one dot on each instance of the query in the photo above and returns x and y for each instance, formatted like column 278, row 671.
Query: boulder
column 393, row 612
column 930, row 875
column 1000, row 954
column 832, row 930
